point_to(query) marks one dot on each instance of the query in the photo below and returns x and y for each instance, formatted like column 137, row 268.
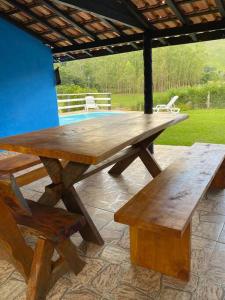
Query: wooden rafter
column 173, row 6
column 72, row 22
column 202, row 12
column 163, row 5
column 30, row 32
column 41, row 20
column 132, row 8
column 68, row 18
column 111, row 10
column 186, row 29
column 221, row 6
column 183, row 19
column 104, row 27
column 180, row 40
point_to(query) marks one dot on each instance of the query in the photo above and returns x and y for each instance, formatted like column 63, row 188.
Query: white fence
column 74, row 102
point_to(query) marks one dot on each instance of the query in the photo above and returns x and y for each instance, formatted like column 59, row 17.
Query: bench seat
column 160, row 214
column 19, row 162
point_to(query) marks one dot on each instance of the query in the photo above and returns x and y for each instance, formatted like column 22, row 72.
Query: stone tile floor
column 108, row 274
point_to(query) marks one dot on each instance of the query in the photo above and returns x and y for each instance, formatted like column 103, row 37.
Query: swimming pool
column 64, row 120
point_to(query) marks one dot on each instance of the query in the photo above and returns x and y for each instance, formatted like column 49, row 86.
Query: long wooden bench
column 160, row 214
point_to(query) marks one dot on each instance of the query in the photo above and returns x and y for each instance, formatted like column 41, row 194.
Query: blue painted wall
column 27, row 83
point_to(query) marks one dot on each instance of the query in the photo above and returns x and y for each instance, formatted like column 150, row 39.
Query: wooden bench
column 160, row 214
column 20, row 162
column 53, row 228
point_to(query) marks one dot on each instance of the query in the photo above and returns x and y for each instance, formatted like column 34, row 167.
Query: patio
column 109, row 274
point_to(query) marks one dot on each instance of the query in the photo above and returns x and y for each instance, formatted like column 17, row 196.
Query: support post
column 148, row 82
column 148, row 91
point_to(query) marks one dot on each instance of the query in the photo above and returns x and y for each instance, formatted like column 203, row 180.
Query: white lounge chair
column 90, row 103
column 168, row 107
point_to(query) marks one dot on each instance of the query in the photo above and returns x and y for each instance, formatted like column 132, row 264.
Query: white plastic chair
column 170, row 107
column 90, row 103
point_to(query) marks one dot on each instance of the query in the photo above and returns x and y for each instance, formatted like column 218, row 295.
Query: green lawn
column 136, row 101
column 206, row 126
column 202, row 126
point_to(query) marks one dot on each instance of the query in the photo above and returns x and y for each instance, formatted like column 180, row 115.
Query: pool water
column 84, row 116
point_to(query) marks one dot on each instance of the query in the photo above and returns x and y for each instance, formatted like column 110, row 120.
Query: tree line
column 173, row 67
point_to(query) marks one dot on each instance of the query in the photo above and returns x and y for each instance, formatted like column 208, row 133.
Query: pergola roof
column 77, row 29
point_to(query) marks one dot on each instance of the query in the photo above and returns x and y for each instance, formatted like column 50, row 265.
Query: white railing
column 73, row 102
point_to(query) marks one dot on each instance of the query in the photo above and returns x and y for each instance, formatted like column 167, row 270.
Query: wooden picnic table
column 88, row 147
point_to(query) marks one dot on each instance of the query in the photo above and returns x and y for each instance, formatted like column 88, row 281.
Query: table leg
column 144, row 154
column 74, row 204
column 149, row 162
column 122, row 165
column 62, row 188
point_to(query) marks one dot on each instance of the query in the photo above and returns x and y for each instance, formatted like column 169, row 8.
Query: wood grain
column 68, row 252
column 74, row 204
column 31, row 176
column 40, row 271
column 150, row 163
column 69, row 196
column 168, row 202
column 12, row 241
column 162, row 252
column 122, row 165
column 12, row 196
column 55, row 224
column 75, row 142
column 17, row 163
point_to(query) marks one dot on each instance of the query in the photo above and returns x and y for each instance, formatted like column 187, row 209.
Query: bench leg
column 219, row 180
column 162, row 251
column 41, row 270
column 13, row 243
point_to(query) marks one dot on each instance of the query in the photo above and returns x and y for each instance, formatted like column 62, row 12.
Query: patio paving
column 108, row 274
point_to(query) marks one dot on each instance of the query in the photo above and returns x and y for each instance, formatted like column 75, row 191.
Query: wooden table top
column 91, row 141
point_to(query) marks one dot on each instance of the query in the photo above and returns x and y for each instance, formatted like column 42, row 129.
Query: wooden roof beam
column 68, row 18
column 43, row 21
column 157, row 44
column 154, row 7
column 27, row 11
column 132, row 8
column 29, row 31
column 73, row 23
column 119, row 32
column 191, row 14
column 173, row 6
column 183, row 19
column 221, row 7
column 163, row 41
column 184, row 30
column 107, row 9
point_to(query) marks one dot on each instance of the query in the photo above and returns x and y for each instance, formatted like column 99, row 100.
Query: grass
column 203, row 125
column 206, row 126
column 127, row 101
column 135, row 101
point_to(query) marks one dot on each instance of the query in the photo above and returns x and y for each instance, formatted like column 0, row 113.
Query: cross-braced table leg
column 63, row 179
column 144, row 154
